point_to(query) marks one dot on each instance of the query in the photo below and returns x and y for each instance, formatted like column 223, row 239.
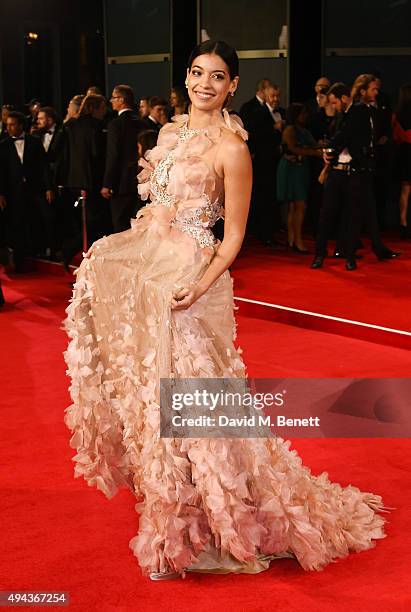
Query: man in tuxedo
column 85, row 142
column 264, row 124
column 157, row 108
column 24, row 188
column 47, row 127
column 48, row 132
column 248, row 108
column 120, row 176
column 273, row 95
column 349, row 185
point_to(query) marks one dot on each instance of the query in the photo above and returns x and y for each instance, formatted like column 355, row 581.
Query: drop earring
column 186, row 83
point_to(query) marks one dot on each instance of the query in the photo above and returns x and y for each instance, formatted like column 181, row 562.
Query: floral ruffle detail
column 190, row 177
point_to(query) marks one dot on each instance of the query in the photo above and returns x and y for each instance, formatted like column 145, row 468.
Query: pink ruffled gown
column 215, row 505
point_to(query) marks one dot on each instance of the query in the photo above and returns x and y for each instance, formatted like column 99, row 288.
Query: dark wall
column 305, row 48
column 66, row 58
column 363, row 37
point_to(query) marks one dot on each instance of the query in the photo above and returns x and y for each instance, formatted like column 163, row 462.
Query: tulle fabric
column 215, row 505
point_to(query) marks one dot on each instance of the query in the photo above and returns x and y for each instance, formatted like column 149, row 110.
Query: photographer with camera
column 349, row 185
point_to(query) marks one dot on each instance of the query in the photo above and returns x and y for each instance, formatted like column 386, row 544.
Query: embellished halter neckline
column 186, row 132
column 227, row 121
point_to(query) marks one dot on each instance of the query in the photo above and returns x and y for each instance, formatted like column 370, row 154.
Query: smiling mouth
column 203, row 95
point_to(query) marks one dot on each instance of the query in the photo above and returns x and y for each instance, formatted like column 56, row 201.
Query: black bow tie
column 17, row 138
column 49, row 132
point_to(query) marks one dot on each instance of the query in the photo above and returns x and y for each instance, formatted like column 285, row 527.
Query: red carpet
column 378, row 292
column 57, row 534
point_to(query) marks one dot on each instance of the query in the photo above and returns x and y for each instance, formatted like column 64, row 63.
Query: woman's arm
column 289, row 138
column 235, row 162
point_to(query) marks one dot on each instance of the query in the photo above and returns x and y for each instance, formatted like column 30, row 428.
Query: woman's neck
column 199, row 119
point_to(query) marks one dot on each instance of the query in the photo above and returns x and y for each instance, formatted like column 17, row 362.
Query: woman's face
column 209, row 82
column 173, row 99
column 322, row 100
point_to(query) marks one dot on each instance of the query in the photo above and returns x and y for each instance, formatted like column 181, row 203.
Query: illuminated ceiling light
column 32, row 36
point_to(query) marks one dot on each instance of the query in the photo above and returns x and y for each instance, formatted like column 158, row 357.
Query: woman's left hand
column 183, row 298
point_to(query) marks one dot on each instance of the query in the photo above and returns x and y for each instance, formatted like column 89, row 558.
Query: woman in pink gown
column 156, row 301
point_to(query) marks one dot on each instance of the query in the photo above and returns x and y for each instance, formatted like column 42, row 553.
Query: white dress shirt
column 274, row 114
column 19, row 144
column 344, row 157
column 48, row 137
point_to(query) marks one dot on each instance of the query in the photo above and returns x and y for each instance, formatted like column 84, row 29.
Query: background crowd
column 49, row 168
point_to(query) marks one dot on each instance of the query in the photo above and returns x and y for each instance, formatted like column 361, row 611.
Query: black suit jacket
column 247, row 110
column 85, row 152
column 357, row 133
column 121, row 160
column 264, row 139
column 148, row 124
column 31, row 175
column 52, row 154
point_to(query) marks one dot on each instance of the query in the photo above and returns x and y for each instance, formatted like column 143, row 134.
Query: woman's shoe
column 318, row 262
column 167, row 575
column 296, row 249
column 405, row 232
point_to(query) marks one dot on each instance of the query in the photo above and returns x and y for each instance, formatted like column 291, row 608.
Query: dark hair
column 49, row 112
column 17, row 115
column 91, row 103
column 339, row 90
column 126, row 93
column 8, row 107
column 293, row 112
column 156, row 101
column 222, row 49
column 148, row 140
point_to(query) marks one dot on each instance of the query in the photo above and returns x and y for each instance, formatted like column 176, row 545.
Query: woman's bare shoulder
column 232, row 142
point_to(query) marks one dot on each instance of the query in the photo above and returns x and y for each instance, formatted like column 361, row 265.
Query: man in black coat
column 24, row 189
column 120, row 176
column 257, row 102
column 349, row 186
column 264, row 124
column 157, row 111
column 47, row 131
column 85, row 154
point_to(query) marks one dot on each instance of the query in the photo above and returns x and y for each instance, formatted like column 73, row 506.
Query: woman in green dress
column 293, row 174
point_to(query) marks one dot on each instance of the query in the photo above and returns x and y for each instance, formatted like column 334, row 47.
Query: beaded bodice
column 183, row 179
